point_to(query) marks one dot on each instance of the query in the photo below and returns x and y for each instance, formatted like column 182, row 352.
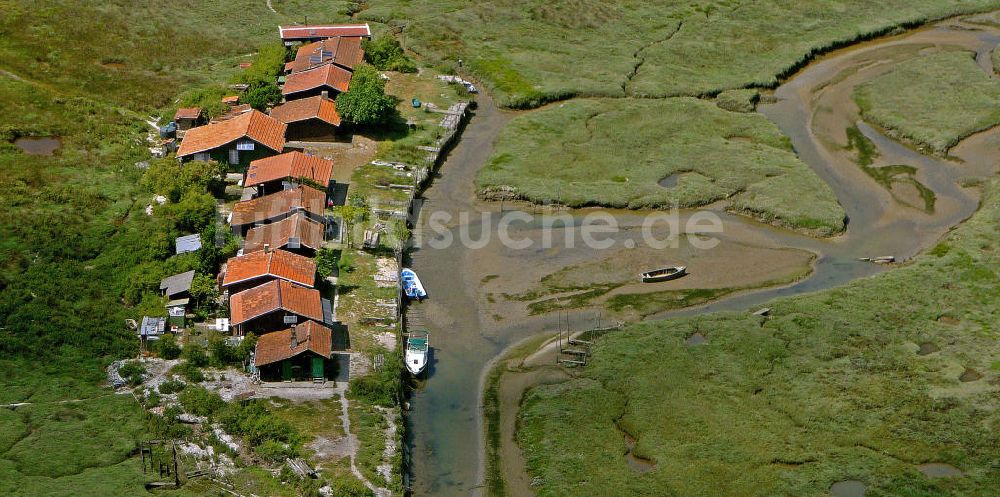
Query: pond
column 38, row 145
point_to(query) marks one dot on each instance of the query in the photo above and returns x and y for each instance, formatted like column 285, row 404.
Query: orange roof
column 289, row 165
column 270, row 206
column 277, row 235
column 323, row 31
column 316, row 107
column 343, row 51
column 274, row 296
column 187, row 113
column 278, row 264
column 231, row 99
column 278, row 346
column 254, row 125
column 329, row 75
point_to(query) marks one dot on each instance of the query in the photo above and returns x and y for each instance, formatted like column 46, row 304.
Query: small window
column 234, row 156
column 202, row 156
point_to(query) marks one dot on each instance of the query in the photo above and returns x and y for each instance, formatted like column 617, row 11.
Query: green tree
column 194, row 212
column 386, row 54
column 260, row 96
column 171, row 179
column 351, row 213
column 366, row 102
column 204, row 293
column 195, row 355
column 167, row 348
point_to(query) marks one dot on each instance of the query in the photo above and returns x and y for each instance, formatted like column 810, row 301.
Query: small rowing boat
column 663, row 274
column 411, row 284
column 417, row 348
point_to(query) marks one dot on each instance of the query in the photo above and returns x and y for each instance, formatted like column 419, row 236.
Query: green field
column 530, row 51
column 948, row 97
column 830, row 388
column 77, row 254
column 614, row 153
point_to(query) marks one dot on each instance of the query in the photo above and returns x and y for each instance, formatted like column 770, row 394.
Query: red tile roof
column 343, row 51
column 254, row 125
column 289, row 165
column 308, row 231
column 275, row 296
column 270, row 206
column 276, row 263
column 316, row 107
column 289, row 33
column 187, row 113
column 278, row 346
column 231, row 99
column 329, row 76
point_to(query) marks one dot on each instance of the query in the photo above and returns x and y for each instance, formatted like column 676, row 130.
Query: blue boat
column 411, row 284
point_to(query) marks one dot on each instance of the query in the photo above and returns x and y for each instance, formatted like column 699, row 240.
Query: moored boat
column 417, row 349
column 663, row 274
column 411, row 284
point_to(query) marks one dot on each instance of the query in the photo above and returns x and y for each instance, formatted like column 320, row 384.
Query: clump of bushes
column 189, row 372
column 380, row 387
column 386, row 54
column 742, row 100
column 171, row 386
column 167, row 347
column 132, row 372
column 200, row 402
column 271, row 437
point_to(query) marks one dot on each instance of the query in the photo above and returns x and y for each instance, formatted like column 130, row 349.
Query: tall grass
column 948, row 97
column 613, row 153
column 829, row 388
column 530, row 53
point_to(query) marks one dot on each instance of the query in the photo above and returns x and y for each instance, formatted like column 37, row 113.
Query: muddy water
column 470, row 323
column 38, row 145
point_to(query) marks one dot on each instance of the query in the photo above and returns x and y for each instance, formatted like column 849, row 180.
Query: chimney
column 267, row 247
column 325, row 94
column 294, row 342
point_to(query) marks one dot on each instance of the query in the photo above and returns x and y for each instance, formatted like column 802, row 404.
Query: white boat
column 411, row 284
column 663, row 274
column 417, row 349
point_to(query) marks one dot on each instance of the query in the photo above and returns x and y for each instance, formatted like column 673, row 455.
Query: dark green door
column 286, row 370
column 317, row 367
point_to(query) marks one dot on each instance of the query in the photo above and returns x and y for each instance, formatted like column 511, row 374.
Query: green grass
column 529, row 52
column 613, row 153
column 887, row 176
column 828, row 388
column 738, row 100
column 948, row 97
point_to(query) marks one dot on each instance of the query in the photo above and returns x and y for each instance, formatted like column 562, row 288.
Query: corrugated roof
column 275, row 296
column 188, row 243
column 309, row 233
column 277, row 263
column 328, row 75
column 178, row 283
column 278, row 346
column 254, row 125
column 276, row 204
column 316, row 107
column 306, row 32
column 289, row 165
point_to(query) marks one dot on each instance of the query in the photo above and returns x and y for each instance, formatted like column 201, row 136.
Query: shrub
column 386, row 54
column 262, row 95
column 167, row 348
column 171, row 386
column 204, row 294
column 132, row 372
column 195, row 355
column 257, row 426
column 190, row 372
column 366, row 101
column 200, row 402
column 152, row 399
column 222, row 352
column 381, row 387
column 349, row 487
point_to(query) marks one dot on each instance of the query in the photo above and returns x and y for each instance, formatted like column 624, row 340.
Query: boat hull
column 666, row 274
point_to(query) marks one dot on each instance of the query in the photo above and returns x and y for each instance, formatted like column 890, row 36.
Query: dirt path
column 352, row 443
